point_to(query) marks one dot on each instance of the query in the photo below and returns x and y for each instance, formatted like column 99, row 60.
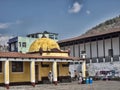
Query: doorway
column 36, row 73
column 58, row 72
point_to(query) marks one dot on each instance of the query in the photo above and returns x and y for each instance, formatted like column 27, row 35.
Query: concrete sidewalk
column 97, row 85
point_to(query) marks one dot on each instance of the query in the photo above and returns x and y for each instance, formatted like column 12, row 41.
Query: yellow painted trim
column 55, row 54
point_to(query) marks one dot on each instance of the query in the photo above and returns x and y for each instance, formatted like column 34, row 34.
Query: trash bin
column 87, row 80
column 90, row 80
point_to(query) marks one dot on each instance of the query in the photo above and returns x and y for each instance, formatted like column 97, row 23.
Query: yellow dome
column 45, row 44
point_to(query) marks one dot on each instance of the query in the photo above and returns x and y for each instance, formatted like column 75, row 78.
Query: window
column 20, row 44
column 56, row 37
column 76, row 62
column 110, row 52
column 0, row 66
column 51, row 36
column 44, row 65
column 83, row 52
column 24, row 44
column 65, row 65
column 17, row 66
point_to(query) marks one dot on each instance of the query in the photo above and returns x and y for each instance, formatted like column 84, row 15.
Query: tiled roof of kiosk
column 33, row 56
column 91, row 35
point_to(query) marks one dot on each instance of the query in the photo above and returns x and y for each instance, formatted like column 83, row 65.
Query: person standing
column 80, row 78
column 50, row 76
column 75, row 75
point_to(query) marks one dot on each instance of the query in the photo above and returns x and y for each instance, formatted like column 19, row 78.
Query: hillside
column 105, row 26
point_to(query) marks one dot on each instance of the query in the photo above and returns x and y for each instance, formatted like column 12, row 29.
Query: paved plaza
column 97, row 85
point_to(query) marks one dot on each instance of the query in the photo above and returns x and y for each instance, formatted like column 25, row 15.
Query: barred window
column 51, row 36
column 17, row 66
column 0, row 66
column 24, row 44
column 19, row 44
column 65, row 65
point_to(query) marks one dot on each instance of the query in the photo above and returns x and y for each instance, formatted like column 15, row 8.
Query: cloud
column 4, row 25
column 18, row 22
column 75, row 8
column 7, row 25
column 88, row 12
column 4, row 39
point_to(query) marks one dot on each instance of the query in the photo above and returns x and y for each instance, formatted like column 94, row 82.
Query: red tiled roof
column 91, row 35
column 32, row 56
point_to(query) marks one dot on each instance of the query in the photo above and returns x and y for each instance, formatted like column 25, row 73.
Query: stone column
column 55, row 72
column 32, row 73
column 84, row 69
column 6, row 74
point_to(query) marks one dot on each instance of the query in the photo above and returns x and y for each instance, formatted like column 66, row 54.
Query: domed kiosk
column 44, row 56
column 47, row 47
column 45, row 44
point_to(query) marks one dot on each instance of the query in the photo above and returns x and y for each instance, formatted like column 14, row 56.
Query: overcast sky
column 68, row 18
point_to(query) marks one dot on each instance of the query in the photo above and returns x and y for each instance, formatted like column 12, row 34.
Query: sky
column 68, row 18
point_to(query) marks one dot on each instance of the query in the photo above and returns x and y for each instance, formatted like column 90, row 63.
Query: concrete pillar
column 84, row 69
column 90, row 60
column 32, row 73
column 111, row 59
column 6, row 74
column 84, row 66
column 55, row 72
column 97, row 60
column 104, row 60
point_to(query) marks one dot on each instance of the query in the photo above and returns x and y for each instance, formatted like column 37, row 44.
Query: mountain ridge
column 108, row 25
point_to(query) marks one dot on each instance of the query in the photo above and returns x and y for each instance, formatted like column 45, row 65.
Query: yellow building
column 33, row 67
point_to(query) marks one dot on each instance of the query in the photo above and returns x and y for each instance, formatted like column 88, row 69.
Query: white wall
column 88, row 50
column 67, row 47
column 12, row 47
column 107, row 46
column 93, row 68
column 94, row 49
column 71, row 50
column 100, row 48
column 115, row 46
column 73, row 67
column 81, row 47
column 76, row 50
column 62, row 48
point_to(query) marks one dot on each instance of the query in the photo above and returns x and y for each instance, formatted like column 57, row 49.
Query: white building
column 102, row 50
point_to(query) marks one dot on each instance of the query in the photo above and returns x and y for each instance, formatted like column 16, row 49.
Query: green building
column 22, row 44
